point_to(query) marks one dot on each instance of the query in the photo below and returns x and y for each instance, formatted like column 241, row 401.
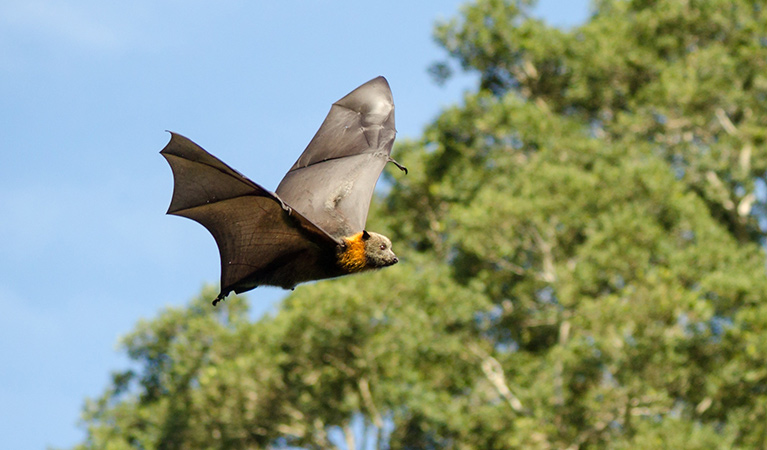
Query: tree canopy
column 581, row 264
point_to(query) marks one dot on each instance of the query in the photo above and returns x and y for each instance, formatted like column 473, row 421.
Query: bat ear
column 365, row 235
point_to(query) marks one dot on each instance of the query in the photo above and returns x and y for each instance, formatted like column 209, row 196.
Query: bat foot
column 218, row 299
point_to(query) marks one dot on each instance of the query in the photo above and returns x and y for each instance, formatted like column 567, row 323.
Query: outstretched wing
column 255, row 231
column 332, row 182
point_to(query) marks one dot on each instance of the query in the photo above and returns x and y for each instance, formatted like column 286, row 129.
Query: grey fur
column 378, row 251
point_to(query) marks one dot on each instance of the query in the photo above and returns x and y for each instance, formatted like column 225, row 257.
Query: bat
column 313, row 226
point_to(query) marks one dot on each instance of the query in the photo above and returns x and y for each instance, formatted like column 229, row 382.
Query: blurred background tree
column 581, row 264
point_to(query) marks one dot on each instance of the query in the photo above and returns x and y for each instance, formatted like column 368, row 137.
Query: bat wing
column 332, row 182
column 256, row 232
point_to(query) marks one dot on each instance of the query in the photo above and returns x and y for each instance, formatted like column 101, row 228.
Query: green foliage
column 580, row 265
column 617, row 292
column 689, row 77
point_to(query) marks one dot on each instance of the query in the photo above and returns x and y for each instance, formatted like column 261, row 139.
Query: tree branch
column 495, row 375
column 367, row 399
column 349, row 437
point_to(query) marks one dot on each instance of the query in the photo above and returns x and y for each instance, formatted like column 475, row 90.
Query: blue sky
column 87, row 89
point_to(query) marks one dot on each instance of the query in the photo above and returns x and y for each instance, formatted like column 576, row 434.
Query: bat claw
column 284, row 205
column 399, row 166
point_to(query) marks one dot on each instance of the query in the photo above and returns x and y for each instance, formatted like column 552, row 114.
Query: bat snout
column 391, row 261
column 386, row 261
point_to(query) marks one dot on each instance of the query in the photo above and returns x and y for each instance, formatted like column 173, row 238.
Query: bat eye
column 382, row 247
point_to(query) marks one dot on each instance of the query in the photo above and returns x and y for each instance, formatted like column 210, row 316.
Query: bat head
column 378, row 250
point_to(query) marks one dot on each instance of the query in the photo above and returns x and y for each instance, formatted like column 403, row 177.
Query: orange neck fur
column 353, row 258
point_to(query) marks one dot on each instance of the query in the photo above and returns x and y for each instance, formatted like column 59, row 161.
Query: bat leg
column 399, row 166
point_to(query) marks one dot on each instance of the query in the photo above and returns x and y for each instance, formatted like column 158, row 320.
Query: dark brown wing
column 332, row 182
column 257, row 234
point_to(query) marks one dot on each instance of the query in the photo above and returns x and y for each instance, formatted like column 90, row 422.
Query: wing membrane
column 332, row 182
column 254, row 229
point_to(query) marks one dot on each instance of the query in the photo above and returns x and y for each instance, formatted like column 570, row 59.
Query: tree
column 688, row 77
column 580, row 265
